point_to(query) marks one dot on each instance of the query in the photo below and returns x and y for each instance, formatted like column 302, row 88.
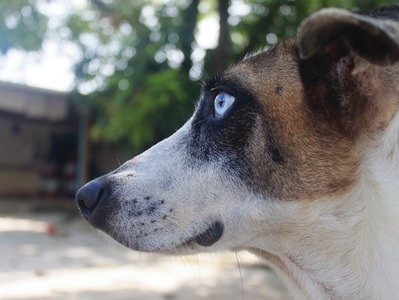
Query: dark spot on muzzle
column 210, row 235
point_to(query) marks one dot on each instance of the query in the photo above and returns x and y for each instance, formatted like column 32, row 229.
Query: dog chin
column 197, row 243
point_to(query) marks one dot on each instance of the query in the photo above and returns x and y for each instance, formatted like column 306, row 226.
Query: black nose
column 89, row 196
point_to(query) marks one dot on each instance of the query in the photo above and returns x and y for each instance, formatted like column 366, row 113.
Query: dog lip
column 211, row 235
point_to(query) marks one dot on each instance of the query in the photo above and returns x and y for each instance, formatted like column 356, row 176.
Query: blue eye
column 222, row 103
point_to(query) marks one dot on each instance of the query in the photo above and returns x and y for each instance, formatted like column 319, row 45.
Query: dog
column 291, row 154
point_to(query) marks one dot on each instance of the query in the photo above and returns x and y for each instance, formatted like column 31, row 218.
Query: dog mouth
column 207, row 238
column 210, row 236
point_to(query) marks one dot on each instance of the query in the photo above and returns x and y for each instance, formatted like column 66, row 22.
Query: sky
column 52, row 68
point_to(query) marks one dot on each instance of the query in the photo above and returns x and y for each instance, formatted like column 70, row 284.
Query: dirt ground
column 48, row 252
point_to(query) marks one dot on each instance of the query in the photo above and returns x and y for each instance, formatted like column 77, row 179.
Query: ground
column 48, row 252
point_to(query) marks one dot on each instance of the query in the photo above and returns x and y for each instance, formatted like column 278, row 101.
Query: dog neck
column 346, row 248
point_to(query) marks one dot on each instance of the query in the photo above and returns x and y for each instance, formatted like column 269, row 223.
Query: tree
column 150, row 91
column 22, row 26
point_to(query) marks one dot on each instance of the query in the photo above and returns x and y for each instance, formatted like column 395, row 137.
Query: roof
column 33, row 102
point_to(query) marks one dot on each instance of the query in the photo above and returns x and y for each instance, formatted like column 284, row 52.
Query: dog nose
column 88, row 197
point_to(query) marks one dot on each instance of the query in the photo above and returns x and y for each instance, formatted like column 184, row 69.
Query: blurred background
column 86, row 85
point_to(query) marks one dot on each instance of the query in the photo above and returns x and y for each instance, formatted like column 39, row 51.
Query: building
column 39, row 142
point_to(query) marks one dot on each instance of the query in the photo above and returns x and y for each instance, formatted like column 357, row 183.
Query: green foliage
column 271, row 20
column 21, row 25
column 150, row 113
column 137, row 75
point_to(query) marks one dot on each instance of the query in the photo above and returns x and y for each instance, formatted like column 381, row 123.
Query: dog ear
column 373, row 36
column 348, row 64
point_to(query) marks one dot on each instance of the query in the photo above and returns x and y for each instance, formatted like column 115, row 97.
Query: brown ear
column 373, row 36
column 352, row 57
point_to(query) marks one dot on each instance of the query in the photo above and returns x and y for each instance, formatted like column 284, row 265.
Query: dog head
column 273, row 151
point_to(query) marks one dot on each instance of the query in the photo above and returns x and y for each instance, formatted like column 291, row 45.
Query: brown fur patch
column 318, row 158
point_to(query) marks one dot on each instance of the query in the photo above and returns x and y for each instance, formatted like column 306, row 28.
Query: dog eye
column 222, row 103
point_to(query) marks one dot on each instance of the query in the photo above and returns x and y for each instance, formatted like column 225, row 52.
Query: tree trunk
column 220, row 61
column 187, row 34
